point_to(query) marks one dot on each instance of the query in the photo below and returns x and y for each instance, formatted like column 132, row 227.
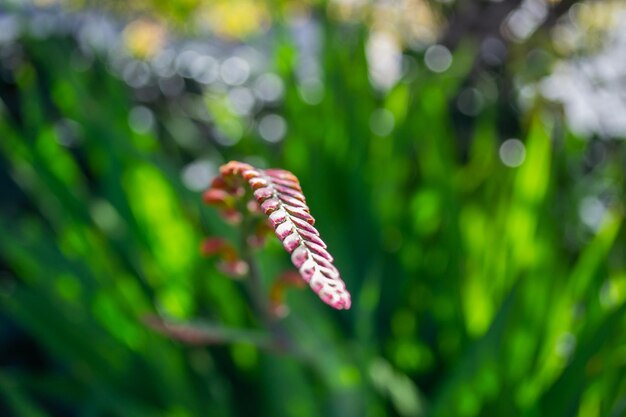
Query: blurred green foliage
column 476, row 288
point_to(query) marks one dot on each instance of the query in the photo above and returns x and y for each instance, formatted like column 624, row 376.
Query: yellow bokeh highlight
column 236, row 18
column 144, row 38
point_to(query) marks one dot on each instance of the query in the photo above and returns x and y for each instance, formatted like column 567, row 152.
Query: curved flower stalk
column 280, row 197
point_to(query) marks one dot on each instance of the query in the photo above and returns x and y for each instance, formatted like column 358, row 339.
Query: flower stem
column 258, row 294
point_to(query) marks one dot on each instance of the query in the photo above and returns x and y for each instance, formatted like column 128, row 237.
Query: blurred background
column 464, row 161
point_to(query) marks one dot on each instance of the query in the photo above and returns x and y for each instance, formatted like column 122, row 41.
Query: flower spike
column 280, row 197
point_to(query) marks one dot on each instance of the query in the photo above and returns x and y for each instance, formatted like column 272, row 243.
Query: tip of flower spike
column 332, row 292
column 339, row 301
column 345, row 304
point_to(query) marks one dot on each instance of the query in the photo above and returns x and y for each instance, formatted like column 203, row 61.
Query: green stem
column 258, row 294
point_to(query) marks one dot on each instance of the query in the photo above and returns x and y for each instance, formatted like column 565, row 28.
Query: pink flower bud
column 217, row 197
column 213, row 246
column 234, row 269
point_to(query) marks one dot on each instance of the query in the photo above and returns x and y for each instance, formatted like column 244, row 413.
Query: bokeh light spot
column 235, row 71
column 272, row 128
column 438, row 58
column 384, row 59
column 382, row 122
column 10, row 29
column 204, row 69
column 141, row 119
column 198, row 175
column 172, row 86
column 241, row 101
column 591, row 211
column 470, row 102
column 269, row 87
column 311, row 91
column 512, row 153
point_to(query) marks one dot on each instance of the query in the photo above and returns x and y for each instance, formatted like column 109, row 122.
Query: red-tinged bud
column 261, row 231
column 291, row 278
column 278, row 290
column 230, row 184
column 234, row 168
column 280, row 310
column 217, row 197
column 219, row 183
column 217, row 246
column 239, row 191
column 277, row 300
column 234, row 268
column 213, row 246
column 256, row 241
column 253, row 207
column 232, row 216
